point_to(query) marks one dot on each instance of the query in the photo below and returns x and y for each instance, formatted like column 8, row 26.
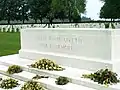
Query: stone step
column 16, row 88
column 72, row 73
column 21, row 80
column 47, row 83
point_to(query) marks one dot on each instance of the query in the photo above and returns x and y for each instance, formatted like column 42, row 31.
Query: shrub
column 32, row 85
column 46, row 64
column 61, row 80
column 9, row 83
column 102, row 76
column 14, row 69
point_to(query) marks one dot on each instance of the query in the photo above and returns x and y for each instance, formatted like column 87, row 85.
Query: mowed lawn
column 9, row 43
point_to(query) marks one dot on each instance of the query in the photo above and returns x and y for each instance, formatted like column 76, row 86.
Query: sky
column 93, row 9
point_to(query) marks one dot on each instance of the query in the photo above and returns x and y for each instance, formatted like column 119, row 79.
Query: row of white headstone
column 17, row 28
column 85, row 25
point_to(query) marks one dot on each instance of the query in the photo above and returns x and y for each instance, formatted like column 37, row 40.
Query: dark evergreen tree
column 110, row 9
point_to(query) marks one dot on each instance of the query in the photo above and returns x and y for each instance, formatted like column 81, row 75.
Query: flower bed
column 104, row 77
column 46, row 64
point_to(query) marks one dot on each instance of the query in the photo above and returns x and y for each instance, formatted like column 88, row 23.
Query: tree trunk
column 35, row 20
column 50, row 21
column 9, row 21
column 69, row 15
column 23, row 21
column 41, row 20
column 111, row 19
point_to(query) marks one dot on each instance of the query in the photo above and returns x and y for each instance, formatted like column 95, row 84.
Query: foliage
column 70, row 9
column 9, row 9
column 46, row 64
column 32, row 85
column 110, row 9
column 9, row 83
column 39, row 77
column 102, row 76
column 24, row 10
column 61, row 80
column 14, row 69
column 59, row 8
column 38, row 9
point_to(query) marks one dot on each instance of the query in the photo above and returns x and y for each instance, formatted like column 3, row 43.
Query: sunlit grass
column 9, row 43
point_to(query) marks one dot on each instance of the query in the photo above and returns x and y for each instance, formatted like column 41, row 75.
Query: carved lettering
column 59, row 42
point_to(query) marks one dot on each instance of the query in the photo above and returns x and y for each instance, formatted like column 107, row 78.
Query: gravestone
column 89, row 49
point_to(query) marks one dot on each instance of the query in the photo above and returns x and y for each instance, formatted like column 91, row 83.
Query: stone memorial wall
column 72, row 46
column 78, row 42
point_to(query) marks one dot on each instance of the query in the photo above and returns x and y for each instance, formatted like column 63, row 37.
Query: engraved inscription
column 59, row 42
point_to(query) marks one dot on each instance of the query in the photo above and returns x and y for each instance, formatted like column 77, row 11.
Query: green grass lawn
column 9, row 43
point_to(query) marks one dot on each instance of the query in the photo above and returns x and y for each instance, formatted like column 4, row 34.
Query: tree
column 76, row 16
column 2, row 4
column 9, row 9
column 110, row 9
column 24, row 10
column 59, row 9
column 68, row 8
column 38, row 9
column 75, row 8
